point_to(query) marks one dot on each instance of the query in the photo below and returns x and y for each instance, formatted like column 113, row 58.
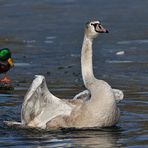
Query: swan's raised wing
column 40, row 106
column 85, row 95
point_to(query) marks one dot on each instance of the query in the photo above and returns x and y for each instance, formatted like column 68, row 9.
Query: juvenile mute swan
column 94, row 107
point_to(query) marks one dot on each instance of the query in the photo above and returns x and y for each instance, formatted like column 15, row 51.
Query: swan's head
column 93, row 28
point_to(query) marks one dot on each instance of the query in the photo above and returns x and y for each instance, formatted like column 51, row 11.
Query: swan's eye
column 95, row 25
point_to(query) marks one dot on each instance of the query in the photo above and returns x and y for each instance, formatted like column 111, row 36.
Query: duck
column 94, row 107
column 6, row 63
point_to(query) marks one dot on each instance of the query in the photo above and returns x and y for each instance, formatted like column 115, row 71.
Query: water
column 45, row 38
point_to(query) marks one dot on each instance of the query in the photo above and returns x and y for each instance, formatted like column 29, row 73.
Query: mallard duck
column 5, row 63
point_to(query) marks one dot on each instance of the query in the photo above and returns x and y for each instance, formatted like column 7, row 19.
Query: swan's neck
column 86, row 62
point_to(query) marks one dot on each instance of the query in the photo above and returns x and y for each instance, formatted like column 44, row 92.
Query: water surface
column 45, row 38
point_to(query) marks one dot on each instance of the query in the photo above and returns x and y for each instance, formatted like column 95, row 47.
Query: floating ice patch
column 49, row 39
column 120, row 53
column 133, row 42
column 48, row 42
column 119, row 62
column 75, row 55
column 21, row 64
column 29, row 41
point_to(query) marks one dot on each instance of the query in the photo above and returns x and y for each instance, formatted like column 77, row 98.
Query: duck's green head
column 5, row 55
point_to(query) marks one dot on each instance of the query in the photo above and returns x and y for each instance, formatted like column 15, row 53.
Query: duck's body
column 4, row 67
column 5, row 63
column 95, row 107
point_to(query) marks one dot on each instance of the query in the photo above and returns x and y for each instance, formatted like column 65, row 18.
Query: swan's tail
column 40, row 106
column 118, row 94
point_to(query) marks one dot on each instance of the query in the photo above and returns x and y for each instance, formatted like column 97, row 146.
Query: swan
column 94, row 107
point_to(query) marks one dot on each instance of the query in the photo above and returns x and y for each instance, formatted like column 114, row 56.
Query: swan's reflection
column 81, row 138
column 96, row 139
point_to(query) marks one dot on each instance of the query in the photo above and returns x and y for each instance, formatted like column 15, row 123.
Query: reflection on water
column 66, row 138
column 45, row 38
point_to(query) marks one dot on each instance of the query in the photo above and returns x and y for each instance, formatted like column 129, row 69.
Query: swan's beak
column 101, row 29
column 10, row 61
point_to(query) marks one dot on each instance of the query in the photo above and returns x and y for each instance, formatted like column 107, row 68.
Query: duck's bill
column 10, row 61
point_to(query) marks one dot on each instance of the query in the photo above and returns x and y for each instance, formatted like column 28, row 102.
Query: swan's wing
column 40, row 106
column 118, row 95
column 84, row 95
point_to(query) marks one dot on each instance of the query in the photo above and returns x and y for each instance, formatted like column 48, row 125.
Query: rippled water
column 45, row 38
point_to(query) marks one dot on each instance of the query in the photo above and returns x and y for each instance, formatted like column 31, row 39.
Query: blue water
column 45, row 38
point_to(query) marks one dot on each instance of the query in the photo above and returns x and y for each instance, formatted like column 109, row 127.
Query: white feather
column 40, row 105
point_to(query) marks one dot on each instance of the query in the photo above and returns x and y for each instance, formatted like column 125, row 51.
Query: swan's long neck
column 86, row 62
